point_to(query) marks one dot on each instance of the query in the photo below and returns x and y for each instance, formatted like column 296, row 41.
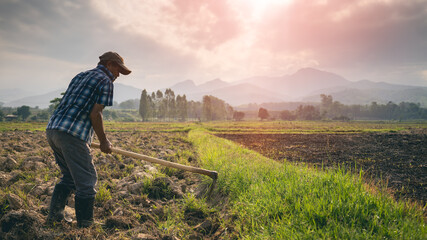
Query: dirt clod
column 8, row 164
column 206, row 227
column 194, row 216
column 164, row 188
column 144, row 236
column 135, row 199
column 118, row 222
column 15, row 202
column 20, row 224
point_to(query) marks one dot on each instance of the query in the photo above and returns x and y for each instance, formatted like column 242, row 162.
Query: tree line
column 159, row 106
column 166, row 106
column 23, row 113
column 334, row 110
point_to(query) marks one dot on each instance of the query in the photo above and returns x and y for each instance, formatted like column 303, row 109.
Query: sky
column 45, row 43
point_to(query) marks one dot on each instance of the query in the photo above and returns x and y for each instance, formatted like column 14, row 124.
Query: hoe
column 211, row 174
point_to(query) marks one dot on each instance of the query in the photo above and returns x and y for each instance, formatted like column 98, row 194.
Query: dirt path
column 400, row 160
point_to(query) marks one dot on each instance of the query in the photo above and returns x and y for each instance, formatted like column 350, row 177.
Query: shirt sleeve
column 106, row 94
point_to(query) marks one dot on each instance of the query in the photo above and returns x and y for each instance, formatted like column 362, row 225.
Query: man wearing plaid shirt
column 70, row 131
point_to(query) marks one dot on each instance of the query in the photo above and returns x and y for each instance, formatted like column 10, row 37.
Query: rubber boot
column 84, row 211
column 60, row 195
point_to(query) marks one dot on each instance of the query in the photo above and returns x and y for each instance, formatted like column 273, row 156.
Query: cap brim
column 124, row 70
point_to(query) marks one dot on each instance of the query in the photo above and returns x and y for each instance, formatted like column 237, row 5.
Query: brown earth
column 397, row 160
column 126, row 207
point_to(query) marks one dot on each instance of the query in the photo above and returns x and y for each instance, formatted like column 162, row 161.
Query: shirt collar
column 106, row 71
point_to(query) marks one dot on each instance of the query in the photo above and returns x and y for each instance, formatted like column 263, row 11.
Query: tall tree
column 229, row 111
column 207, row 108
column 263, row 113
column 287, row 115
column 195, row 110
column 23, row 112
column 238, row 116
column 181, row 107
column 144, row 105
column 308, row 112
column 161, row 105
column 54, row 103
column 153, row 108
column 215, row 109
column 129, row 104
column 326, row 100
column 170, row 103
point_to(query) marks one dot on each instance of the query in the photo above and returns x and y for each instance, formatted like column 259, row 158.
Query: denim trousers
column 75, row 161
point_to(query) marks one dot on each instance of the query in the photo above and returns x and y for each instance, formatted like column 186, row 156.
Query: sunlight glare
column 260, row 6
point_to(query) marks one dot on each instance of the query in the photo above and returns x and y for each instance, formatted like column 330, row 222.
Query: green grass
column 307, row 127
column 109, row 126
column 249, row 127
column 148, row 126
column 103, row 194
column 283, row 201
column 279, row 200
column 22, row 126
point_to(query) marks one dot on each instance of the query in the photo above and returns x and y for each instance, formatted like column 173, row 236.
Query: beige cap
column 113, row 56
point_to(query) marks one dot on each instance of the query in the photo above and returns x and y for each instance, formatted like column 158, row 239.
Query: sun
column 260, row 6
column 263, row 3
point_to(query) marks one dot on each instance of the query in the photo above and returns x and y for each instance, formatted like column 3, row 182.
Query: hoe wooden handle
column 211, row 174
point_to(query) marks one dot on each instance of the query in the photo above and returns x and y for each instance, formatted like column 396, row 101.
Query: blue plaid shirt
column 86, row 89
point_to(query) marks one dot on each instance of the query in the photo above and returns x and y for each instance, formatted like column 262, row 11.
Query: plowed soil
column 126, row 206
column 397, row 160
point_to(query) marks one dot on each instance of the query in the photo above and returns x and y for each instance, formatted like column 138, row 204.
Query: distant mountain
column 185, row 87
column 41, row 101
column 232, row 94
column 188, row 87
column 362, row 86
column 381, row 93
column 299, row 84
column 212, row 85
column 124, row 92
column 121, row 93
column 7, row 95
column 305, row 85
column 366, row 84
column 244, row 93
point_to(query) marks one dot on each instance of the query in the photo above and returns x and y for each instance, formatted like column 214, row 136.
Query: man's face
column 114, row 69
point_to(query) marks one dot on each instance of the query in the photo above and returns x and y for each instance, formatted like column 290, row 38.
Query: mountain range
column 305, row 85
column 121, row 93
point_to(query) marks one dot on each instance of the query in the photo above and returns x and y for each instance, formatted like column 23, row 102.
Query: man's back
column 85, row 89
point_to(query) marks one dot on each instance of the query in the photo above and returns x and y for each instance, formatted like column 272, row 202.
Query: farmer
column 70, row 131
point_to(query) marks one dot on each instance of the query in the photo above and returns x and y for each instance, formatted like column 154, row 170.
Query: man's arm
column 98, row 127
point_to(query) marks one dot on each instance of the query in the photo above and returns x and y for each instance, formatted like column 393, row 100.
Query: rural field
column 277, row 180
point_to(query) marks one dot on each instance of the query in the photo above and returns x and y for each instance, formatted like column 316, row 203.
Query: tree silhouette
column 144, row 105
column 207, row 108
column 238, row 116
column 181, row 107
column 263, row 114
column 23, row 112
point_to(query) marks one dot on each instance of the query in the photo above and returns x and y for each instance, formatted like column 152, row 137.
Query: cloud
column 35, row 72
column 185, row 24
column 46, row 27
column 166, row 41
column 217, row 36
column 344, row 32
column 74, row 34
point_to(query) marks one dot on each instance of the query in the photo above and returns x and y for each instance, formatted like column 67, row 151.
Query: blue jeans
column 75, row 161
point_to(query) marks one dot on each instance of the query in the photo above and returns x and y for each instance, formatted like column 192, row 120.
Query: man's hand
column 98, row 127
column 106, row 146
